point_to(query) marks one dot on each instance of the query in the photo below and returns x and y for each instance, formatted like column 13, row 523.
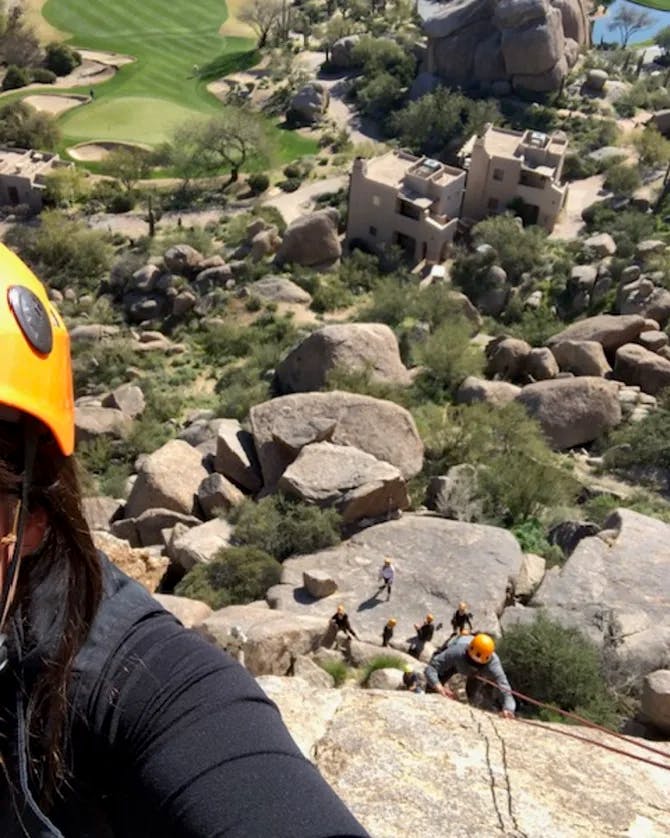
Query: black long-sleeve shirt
column 171, row 737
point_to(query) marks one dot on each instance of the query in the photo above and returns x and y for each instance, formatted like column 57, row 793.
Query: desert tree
column 628, row 21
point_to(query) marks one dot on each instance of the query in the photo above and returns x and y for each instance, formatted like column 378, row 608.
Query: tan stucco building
column 22, row 174
column 412, row 202
column 506, row 165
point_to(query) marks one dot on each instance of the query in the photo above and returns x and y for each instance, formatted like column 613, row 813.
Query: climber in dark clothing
column 461, row 618
column 424, row 634
column 340, row 620
column 115, row 722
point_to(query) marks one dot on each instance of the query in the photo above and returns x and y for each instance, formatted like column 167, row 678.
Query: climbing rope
column 586, row 723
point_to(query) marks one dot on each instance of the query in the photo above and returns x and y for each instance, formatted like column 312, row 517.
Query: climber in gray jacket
column 472, row 657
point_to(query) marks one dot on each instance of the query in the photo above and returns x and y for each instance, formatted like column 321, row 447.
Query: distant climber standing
column 461, row 618
column 386, row 577
column 424, row 634
column 387, row 634
column 471, row 656
column 340, row 620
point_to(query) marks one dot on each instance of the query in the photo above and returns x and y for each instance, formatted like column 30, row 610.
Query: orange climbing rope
column 587, row 723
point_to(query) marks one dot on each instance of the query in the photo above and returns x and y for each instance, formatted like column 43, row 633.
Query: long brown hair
column 58, row 593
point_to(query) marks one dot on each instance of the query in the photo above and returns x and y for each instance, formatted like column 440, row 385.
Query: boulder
column 128, row 398
column 384, row 754
column 357, row 484
column 368, row 347
column 236, row 456
column 265, row 243
column 636, row 365
column 465, row 308
column 279, row 289
column 282, row 426
column 93, row 422
column 274, row 638
column 649, row 247
column 143, row 566
column 609, row 330
column 216, row 492
column 581, row 357
column 200, row 544
column 182, row 259
column 541, row 364
column 644, row 298
column 184, row 302
column 509, row 14
column 617, row 591
column 101, row 511
column 656, row 699
column 342, row 52
column 311, row 240
column 530, row 576
column 309, row 104
column 533, row 49
column 318, row 583
column 92, row 332
column 360, row 654
column 385, row 679
column 218, row 276
column 597, row 79
column 438, row 563
column 576, row 24
column 572, row 411
column 496, row 393
column 507, row 358
column 568, row 534
column 167, row 479
column 653, row 341
column 152, row 522
column 602, row 244
column 189, row 612
column 307, row 670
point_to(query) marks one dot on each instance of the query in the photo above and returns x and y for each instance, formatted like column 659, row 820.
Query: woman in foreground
column 114, row 720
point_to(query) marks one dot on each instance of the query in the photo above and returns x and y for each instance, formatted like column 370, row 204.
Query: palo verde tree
column 265, row 16
column 628, row 21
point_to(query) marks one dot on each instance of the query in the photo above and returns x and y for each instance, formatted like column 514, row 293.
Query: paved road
column 294, row 204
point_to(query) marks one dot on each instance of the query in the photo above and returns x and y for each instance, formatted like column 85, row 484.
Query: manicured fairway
column 170, row 41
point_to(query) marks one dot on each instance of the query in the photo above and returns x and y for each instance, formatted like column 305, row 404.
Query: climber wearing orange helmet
column 114, row 719
column 471, row 656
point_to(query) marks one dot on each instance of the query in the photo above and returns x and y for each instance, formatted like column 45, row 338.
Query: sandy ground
column 53, row 104
column 115, row 59
column 91, row 152
column 134, row 225
column 581, row 194
column 234, row 27
column 45, row 31
column 294, row 204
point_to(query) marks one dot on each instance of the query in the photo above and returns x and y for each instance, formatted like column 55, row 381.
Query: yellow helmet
column 387, row 561
column 36, row 370
column 429, row 618
column 340, row 609
column 392, row 621
column 462, row 606
column 481, row 648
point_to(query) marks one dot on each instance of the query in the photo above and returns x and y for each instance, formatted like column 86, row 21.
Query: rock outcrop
column 397, row 758
column 367, row 347
column 609, row 330
column 528, row 44
column 496, row 393
column 636, row 365
column 311, row 240
column 309, row 104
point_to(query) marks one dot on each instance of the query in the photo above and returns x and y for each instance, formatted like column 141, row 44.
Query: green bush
column 447, row 357
column 557, row 666
column 292, row 171
column 518, row 249
column 258, row 182
column 283, row 527
column 15, row 77
column 338, row 670
column 291, row 184
column 42, row 76
column 381, row 662
column 236, row 576
column 532, row 538
column 622, row 179
column 61, row 59
column 644, row 443
column 22, row 126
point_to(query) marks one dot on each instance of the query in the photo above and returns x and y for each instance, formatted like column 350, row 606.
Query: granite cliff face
column 525, row 44
column 421, row 765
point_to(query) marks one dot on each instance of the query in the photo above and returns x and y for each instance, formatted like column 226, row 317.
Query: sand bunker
column 93, row 152
column 115, row 59
column 53, row 104
column 234, row 27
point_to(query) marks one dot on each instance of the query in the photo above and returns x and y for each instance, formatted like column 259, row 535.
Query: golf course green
column 162, row 88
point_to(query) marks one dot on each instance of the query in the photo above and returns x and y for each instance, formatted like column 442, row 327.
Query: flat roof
column 390, row 168
column 25, row 162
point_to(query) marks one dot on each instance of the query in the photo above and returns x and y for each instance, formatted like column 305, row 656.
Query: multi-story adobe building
column 507, row 167
column 412, row 202
column 22, row 176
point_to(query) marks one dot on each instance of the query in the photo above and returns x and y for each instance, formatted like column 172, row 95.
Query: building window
column 373, row 231
column 493, row 204
column 376, row 201
column 498, row 174
column 408, row 209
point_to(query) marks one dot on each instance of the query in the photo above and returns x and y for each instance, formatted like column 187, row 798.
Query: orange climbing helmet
column 392, row 622
column 481, row 648
column 429, row 618
column 36, row 370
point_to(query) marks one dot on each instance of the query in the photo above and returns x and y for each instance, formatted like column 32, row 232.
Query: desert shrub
column 518, row 249
column 292, row 170
column 363, row 381
column 65, row 187
column 61, row 59
column 558, row 666
column 283, row 527
column 63, row 252
column 447, row 357
column 644, row 443
column 42, row 76
column 329, row 293
column 534, row 325
column 291, row 184
column 22, row 126
column 381, row 662
column 236, row 576
column 532, row 538
column 258, row 182
column 622, row 179
column 15, row 77
column 337, row 669
column 600, row 507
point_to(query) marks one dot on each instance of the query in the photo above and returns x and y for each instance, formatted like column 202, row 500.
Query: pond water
column 601, row 30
